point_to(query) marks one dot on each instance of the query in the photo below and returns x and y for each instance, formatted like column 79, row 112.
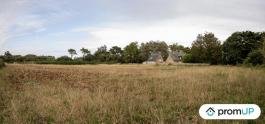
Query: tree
column 72, row 52
column 116, row 54
column 153, row 46
column 206, row 49
column 187, row 58
column 263, row 48
column 64, row 58
column 239, row 45
column 89, row 57
column 198, row 50
column 255, row 58
column 8, row 57
column 7, row 53
column 85, row 52
column 30, row 57
column 176, row 47
column 102, row 54
column 19, row 58
column 213, row 49
column 45, row 58
column 131, row 53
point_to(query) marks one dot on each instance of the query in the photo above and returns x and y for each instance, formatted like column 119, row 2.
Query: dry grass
column 124, row 93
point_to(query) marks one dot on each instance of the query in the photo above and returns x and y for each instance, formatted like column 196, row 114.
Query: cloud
column 26, row 17
column 182, row 30
column 27, row 25
column 90, row 23
column 173, row 20
column 9, row 10
column 155, row 10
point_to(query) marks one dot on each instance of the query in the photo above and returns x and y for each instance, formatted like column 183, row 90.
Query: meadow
column 124, row 93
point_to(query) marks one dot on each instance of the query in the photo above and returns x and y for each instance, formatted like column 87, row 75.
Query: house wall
column 149, row 62
column 154, row 62
column 170, row 60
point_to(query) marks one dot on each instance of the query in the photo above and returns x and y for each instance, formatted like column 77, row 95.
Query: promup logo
column 230, row 111
column 210, row 111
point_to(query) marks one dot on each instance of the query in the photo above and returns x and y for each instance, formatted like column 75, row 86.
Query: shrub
column 187, row 58
column 2, row 64
column 64, row 58
column 254, row 58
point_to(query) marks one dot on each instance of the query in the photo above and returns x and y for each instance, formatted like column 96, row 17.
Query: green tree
column 72, row 52
column 206, row 49
column 85, row 52
column 116, row 54
column 45, row 58
column 131, row 53
column 198, row 50
column 255, row 58
column 19, row 58
column 153, row 46
column 239, row 45
column 176, row 47
column 8, row 57
column 102, row 54
column 263, row 48
column 213, row 49
column 64, row 58
column 187, row 58
column 30, row 57
column 89, row 57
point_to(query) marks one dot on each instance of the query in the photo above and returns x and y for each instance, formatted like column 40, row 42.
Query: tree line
column 132, row 53
column 241, row 47
column 245, row 47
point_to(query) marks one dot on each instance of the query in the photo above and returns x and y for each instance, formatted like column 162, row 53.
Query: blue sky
column 50, row 27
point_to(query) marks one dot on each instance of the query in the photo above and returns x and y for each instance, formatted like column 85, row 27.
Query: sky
column 50, row 27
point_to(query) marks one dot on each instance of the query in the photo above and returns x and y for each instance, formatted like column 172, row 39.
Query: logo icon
column 210, row 111
column 230, row 111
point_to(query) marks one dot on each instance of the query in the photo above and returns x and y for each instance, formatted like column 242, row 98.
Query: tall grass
column 124, row 93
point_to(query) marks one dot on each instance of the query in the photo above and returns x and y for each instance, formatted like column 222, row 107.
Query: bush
column 2, row 64
column 254, row 58
column 187, row 58
column 64, row 58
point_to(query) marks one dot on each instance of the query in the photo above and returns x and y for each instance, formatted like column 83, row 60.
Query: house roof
column 176, row 55
column 155, row 56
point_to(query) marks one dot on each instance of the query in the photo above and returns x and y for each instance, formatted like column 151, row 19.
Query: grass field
column 124, row 93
